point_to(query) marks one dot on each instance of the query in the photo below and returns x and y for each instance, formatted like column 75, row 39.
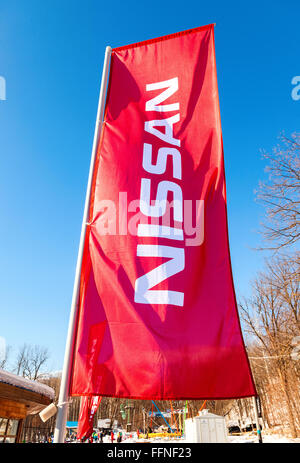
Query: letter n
column 143, row 292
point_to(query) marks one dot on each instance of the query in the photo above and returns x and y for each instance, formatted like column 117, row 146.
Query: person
column 138, row 433
column 118, row 438
column 101, row 437
column 112, row 437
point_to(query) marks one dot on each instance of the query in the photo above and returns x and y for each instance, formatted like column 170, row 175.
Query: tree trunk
column 286, row 393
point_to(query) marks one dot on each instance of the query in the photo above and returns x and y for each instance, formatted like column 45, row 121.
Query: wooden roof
column 20, row 397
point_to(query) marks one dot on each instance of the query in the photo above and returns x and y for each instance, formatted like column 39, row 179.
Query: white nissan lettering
column 162, row 129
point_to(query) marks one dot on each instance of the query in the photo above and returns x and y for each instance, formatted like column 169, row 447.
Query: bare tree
column 281, row 193
column 283, row 274
column 4, row 359
column 30, row 360
column 21, row 359
column 271, row 316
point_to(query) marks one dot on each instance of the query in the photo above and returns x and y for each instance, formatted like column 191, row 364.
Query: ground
column 268, row 437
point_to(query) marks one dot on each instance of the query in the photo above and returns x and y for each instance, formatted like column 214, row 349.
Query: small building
column 206, row 428
column 20, row 397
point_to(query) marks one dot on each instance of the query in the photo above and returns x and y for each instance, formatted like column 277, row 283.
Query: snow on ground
column 267, row 438
column 245, row 438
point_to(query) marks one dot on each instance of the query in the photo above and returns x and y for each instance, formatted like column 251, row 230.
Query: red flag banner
column 88, row 407
column 158, row 316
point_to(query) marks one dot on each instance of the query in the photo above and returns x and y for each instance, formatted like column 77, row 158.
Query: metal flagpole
column 60, row 427
column 258, row 431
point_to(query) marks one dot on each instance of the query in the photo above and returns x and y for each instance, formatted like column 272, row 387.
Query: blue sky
column 51, row 56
